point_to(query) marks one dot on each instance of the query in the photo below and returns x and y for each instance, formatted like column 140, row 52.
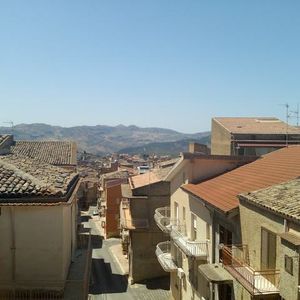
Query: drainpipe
column 213, row 238
column 13, row 242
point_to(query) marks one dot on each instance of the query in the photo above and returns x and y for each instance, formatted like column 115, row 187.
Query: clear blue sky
column 172, row 64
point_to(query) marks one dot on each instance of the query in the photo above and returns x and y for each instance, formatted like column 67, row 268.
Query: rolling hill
column 103, row 139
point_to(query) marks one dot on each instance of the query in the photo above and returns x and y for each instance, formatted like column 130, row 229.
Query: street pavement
column 107, row 280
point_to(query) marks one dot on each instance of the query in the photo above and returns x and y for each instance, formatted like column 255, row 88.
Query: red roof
column 273, row 168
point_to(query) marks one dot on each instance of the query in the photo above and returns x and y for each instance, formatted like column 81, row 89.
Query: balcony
column 162, row 218
column 196, row 249
column 163, row 253
column 235, row 260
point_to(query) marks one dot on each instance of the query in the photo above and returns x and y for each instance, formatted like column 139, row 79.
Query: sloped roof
column 52, row 152
column 153, row 176
column 256, row 125
column 273, row 168
column 281, row 198
column 22, row 177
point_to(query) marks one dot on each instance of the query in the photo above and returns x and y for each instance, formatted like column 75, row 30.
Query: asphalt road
column 106, row 279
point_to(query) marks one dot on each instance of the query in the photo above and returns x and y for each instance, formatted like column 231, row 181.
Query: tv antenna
column 11, row 123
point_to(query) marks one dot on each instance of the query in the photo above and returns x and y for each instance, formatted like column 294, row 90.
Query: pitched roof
column 153, row 176
column 281, row 198
column 256, row 125
column 274, row 168
column 3, row 138
column 21, row 177
column 52, row 152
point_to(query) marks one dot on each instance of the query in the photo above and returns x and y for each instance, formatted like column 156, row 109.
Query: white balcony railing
column 163, row 253
column 196, row 249
column 163, row 220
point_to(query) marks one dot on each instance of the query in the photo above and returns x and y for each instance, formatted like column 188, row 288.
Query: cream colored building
column 189, row 223
column 38, row 223
column 251, row 136
column 204, row 221
column 270, row 223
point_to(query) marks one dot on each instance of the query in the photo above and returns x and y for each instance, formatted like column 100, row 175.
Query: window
column 175, row 210
column 268, row 249
column 193, row 227
column 183, row 214
column 288, row 264
column 207, row 232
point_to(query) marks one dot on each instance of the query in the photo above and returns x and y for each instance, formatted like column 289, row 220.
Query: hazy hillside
column 100, row 139
column 164, row 148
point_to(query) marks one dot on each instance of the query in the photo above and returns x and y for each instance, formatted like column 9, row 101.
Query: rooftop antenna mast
column 11, row 123
column 287, row 123
column 296, row 114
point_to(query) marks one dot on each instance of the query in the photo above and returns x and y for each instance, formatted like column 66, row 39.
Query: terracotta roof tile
column 282, row 198
column 24, row 178
column 256, row 125
column 52, row 152
column 153, row 176
column 274, row 168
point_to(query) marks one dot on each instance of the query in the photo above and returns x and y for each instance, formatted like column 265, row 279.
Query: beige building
column 204, row 216
column 38, row 223
column 189, row 223
column 139, row 232
column 251, row 136
column 270, row 223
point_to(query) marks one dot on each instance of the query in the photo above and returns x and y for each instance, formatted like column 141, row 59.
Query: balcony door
column 225, row 238
column 268, row 250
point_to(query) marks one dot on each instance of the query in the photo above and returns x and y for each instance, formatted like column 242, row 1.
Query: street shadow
column 85, row 218
column 97, row 241
column 162, row 283
column 104, row 281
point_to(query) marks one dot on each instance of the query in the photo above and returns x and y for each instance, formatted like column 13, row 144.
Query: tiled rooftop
column 52, row 152
column 114, row 175
column 256, row 125
column 282, row 198
column 150, row 177
column 274, row 168
column 21, row 177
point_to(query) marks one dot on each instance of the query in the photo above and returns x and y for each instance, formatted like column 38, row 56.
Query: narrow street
column 107, row 281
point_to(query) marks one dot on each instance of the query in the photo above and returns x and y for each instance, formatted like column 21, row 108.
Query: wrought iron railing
column 258, row 282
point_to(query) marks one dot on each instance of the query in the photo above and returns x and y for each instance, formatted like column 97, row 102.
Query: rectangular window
column 176, row 210
column 268, row 249
column 207, row 232
column 193, row 227
column 183, row 214
column 288, row 264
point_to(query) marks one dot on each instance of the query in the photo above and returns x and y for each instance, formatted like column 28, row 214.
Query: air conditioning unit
column 180, row 273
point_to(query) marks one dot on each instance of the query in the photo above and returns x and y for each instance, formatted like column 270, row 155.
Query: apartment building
column 189, row 223
column 109, row 201
column 139, row 232
column 251, row 136
column 204, row 216
column 38, row 223
column 270, row 223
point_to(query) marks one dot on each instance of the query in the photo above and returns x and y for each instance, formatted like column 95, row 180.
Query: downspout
column 213, row 240
column 13, row 242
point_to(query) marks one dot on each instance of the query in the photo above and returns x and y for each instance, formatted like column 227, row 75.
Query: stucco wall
column 252, row 220
column 220, row 139
column 42, row 241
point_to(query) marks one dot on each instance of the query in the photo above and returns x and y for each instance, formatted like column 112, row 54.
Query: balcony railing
column 235, row 260
column 163, row 253
column 162, row 219
column 196, row 249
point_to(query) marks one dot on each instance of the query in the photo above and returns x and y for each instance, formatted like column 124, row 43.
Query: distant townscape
column 98, row 212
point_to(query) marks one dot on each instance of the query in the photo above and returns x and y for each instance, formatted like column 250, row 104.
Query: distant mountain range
column 103, row 139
